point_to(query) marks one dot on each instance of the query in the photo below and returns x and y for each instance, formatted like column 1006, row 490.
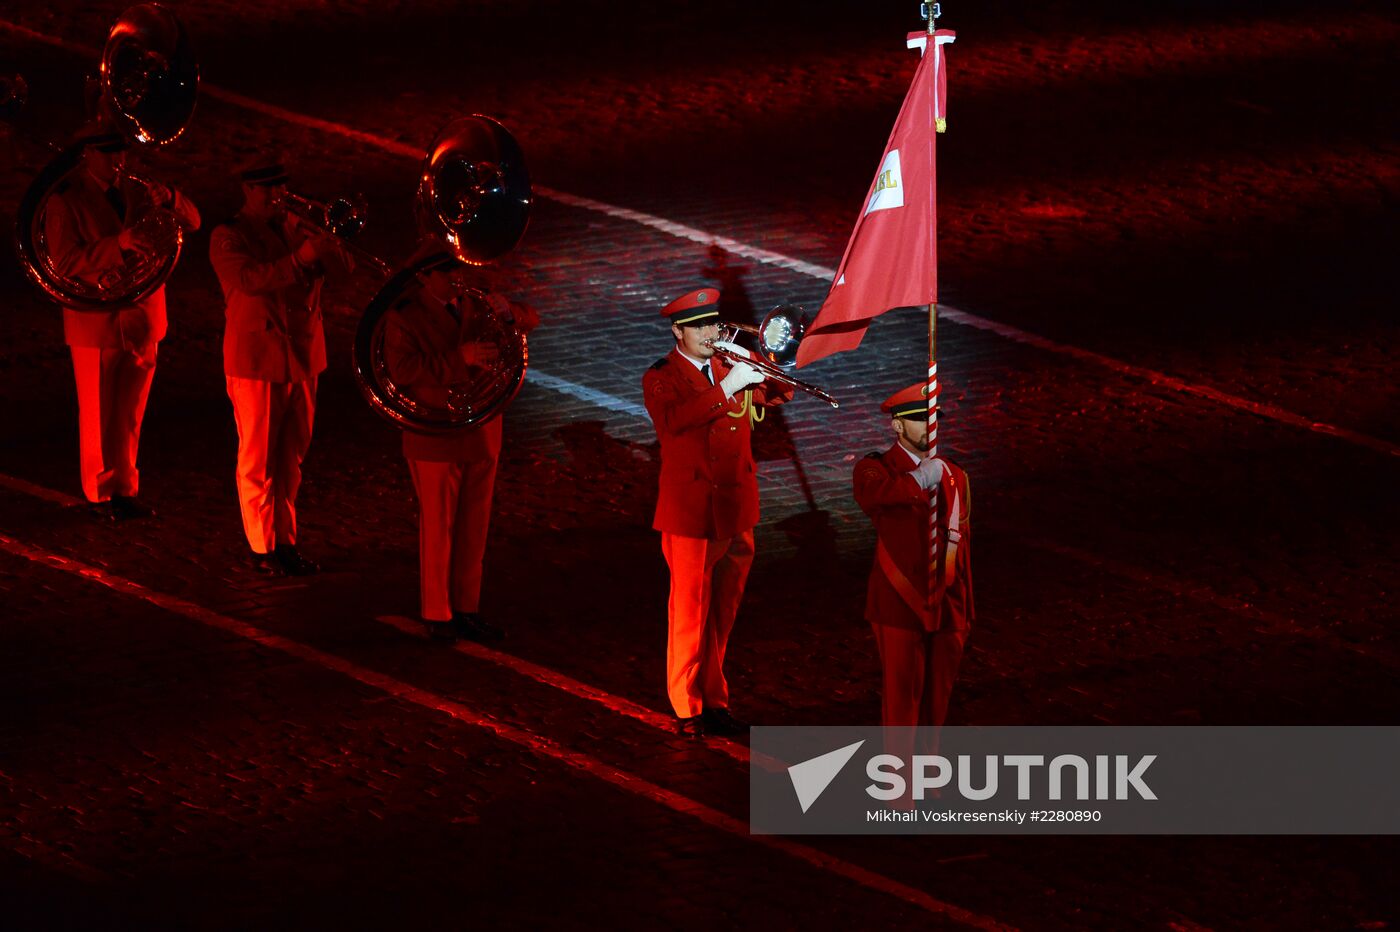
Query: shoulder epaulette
column 660, row 363
column 875, row 456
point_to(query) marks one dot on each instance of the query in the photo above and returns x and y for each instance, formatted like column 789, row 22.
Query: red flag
column 891, row 259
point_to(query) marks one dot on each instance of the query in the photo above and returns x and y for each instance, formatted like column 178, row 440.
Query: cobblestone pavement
column 1168, row 194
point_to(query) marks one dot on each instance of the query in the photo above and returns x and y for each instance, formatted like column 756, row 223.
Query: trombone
column 778, row 338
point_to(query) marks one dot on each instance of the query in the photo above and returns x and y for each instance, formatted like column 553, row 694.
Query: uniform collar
column 699, row 364
column 901, row 459
column 716, row 370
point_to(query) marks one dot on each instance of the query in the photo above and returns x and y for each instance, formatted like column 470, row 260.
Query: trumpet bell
column 346, row 216
column 781, row 333
column 474, row 191
column 150, row 77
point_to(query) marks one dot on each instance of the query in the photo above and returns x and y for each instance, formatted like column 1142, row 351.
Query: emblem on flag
column 889, row 185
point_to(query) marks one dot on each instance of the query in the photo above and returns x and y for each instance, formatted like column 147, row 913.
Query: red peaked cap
column 907, row 402
column 693, row 308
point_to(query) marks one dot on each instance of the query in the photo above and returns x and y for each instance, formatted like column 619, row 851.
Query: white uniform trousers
column 113, row 385
column 454, row 514
column 274, row 433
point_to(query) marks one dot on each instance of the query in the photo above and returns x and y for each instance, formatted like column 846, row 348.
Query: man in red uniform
column 704, row 411
column 271, row 268
column 92, row 229
column 428, row 348
column 920, row 651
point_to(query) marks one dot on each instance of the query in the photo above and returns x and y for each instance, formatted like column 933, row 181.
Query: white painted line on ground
column 768, row 257
column 581, row 690
column 536, row 744
column 582, row 392
column 38, row 491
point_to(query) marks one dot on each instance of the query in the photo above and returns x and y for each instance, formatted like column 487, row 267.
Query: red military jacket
column 421, row 341
column 80, row 229
column 272, row 317
column 709, row 482
column 886, row 490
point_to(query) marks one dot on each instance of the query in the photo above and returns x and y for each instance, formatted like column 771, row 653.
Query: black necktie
column 454, row 311
column 705, row 370
column 114, row 197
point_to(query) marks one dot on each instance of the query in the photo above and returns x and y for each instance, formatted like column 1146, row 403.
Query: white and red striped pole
column 933, row 11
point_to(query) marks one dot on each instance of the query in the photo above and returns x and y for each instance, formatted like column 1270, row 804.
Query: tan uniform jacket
column 80, row 229
column 272, row 320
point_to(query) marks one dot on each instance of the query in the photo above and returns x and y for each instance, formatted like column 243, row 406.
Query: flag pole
column 931, row 13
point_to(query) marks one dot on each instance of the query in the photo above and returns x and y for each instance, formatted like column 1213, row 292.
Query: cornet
column 778, row 338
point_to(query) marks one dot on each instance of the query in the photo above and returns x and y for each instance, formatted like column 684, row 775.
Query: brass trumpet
column 343, row 218
column 778, row 338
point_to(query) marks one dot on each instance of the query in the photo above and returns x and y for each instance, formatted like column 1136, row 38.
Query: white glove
column 734, row 348
column 929, row 472
column 739, row 378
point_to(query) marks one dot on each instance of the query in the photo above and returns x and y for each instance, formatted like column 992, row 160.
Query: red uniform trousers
column 454, row 515
column 707, row 585
column 113, row 385
column 920, row 668
column 274, row 432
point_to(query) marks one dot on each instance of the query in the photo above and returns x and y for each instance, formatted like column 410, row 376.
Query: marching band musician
column 920, row 651
column 93, row 226
column 704, row 411
column 429, row 348
column 271, row 268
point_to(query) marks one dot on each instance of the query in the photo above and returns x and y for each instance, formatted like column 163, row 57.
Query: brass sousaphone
column 149, row 83
column 474, row 197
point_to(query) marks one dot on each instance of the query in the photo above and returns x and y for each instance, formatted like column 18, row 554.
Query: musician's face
column 265, row 200
column 692, row 339
column 913, row 433
column 441, row 284
column 106, row 167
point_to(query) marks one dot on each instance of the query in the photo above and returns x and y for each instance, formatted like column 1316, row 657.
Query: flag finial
column 929, row 13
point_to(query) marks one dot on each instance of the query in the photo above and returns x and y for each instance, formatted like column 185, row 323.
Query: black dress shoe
column 720, row 722
column 294, row 563
column 102, row 511
column 469, row 625
column 693, row 727
column 126, row 508
column 264, row 564
column 440, row 630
